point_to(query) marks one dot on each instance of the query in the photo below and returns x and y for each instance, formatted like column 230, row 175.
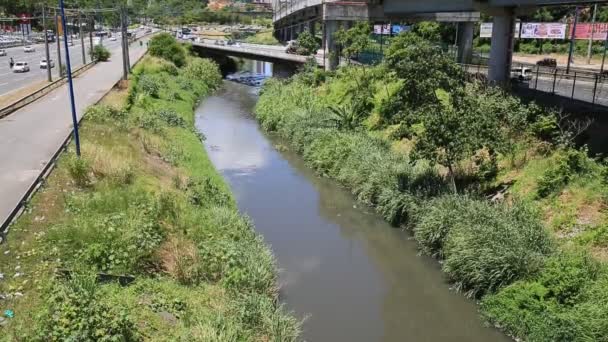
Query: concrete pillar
column 465, row 42
column 311, row 27
column 331, row 48
column 501, row 51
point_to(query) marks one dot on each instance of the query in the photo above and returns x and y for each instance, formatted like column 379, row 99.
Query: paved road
column 583, row 88
column 10, row 81
column 30, row 136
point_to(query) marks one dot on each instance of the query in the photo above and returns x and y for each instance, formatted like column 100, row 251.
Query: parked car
column 28, row 48
column 521, row 74
column 2, row 52
column 292, row 47
column 547, row 62
column 21, row 67
column 113, row 38
column 44, row 64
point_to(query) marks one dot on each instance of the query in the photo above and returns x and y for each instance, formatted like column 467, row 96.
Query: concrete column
column 311, row 27
column 465, row 42
column 501, row 51
column 331, row 49
column 292, row 32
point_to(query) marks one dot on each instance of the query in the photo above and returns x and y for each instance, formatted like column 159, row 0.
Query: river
column 347, row 272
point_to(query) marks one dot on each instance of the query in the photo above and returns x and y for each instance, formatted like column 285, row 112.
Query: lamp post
column 70, row 84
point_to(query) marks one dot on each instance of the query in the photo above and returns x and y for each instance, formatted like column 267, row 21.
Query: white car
column 521, row 74
column 2, row 52
column 44, row 64
column 113, row 38
column 28, row 48
column 21, row 67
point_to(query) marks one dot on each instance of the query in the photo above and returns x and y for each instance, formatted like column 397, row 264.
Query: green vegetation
column 263, row 37
column 307, row 44
column 100, row 54
column 165, row 46
column 140, row 239
column 426, row 146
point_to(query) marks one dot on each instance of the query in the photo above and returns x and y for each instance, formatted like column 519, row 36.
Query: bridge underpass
column 294, row 16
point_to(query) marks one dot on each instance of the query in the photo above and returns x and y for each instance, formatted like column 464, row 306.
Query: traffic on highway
column 14, row 76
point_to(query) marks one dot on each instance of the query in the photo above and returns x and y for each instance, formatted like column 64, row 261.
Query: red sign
column 584, row 31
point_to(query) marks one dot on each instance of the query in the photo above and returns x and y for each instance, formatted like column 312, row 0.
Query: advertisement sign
column 382, row 29
column 543, row 31
column 486, row 30
column 396, row 29
column 583, row 31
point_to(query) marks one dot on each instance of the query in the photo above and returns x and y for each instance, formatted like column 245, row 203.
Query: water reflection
column 357, row 278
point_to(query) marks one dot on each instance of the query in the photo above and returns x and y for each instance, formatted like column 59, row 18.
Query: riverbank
column 140, row 239
column 403, row 135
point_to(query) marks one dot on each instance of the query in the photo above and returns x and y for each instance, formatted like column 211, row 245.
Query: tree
column 422, row 68
column 354, row 40
column 307, row 44
column 100, row 53
column 165, row 46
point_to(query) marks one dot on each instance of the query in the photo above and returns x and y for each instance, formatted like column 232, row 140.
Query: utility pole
column 604, row 57
column 57, row 26
column 92, row 21
column 572, row 40
column 125, row 70
column 592, row 33
column 46, row 46
column 71, row 86
column 127, row 38
column 84, row 54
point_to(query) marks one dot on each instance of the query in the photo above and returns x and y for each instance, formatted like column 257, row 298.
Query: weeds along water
column 404, row 134
column 140, row 239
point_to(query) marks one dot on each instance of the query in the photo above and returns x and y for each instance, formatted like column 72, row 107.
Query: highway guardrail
column 27, row 99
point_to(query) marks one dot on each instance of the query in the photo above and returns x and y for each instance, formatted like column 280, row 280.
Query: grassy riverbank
column 140, row 239
column 406, row 135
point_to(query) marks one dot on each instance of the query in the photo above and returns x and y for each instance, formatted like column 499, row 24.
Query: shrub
column 171, row 118
column 562, row 303
column 105, row 113
column 79, row 169
column 204, row 69
column 165, row 46
column 150, row 85
column 308, row 43
column 568, row 165
column 437, row 220
column 492, row 246
column 100, row 53
column 74, row 312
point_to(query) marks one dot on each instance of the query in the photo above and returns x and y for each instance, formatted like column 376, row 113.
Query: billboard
column 584, row 30
column 543, row 31
column 382, row 29
column 396, row 29
column 485, row 30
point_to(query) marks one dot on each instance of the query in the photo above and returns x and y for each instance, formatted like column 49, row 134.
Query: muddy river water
column 343, row 269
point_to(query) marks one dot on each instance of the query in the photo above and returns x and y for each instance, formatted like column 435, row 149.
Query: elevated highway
column 292, row 17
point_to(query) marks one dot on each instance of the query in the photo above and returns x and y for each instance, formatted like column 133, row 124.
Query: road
column 10, row 81
column 583, row 87
column 30, row 136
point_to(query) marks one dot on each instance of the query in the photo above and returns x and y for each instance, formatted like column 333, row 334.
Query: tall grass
column 498, row 252
column 145, row 203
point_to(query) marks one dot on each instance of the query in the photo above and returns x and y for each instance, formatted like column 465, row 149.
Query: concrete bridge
column 294, row 16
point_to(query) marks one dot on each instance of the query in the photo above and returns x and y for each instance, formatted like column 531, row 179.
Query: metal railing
column 27, row 99
column 584, row 86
